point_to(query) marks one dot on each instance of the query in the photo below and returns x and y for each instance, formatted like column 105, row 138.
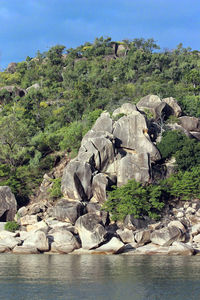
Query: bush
column 135, row 199
column 184, row 185
column 55, row 190
column 171, row 142
column 11, row 226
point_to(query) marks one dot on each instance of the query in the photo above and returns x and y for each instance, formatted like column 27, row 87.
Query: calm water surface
column 55, row 277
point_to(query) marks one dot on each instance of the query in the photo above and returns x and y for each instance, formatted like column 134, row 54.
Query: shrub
column 135, row 199
column 184, row 185
column 55, row 190
column 11, row 226
column 171, row 142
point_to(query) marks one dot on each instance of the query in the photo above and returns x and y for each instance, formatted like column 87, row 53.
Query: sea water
column 54, row 277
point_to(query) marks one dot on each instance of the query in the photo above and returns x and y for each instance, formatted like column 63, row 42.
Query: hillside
column 49, row 102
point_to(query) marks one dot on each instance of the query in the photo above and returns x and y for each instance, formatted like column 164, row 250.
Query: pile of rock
column 93, row 233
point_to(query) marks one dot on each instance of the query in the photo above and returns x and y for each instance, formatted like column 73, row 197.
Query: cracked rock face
column 8, row 204
column 120, row 150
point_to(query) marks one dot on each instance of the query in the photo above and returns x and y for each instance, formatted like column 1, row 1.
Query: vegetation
column 55, row 190
column 75, row 86
column 11, row 226
column 135, row 199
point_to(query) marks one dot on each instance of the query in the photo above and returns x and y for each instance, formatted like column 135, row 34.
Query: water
column 55, row 277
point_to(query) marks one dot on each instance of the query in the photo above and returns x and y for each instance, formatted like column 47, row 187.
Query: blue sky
column 30, row 25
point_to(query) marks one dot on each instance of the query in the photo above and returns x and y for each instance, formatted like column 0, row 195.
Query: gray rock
column 154, row 105
column 126, row 235
column 22, row 211
column 4, row 248
column 142, row 237
column 98, row 151
column 135, row 166
column 92, row 134
column 11, row 68
column 62, row 240
column 8, row 204
column 131, row 223
column 76, row 181
column 126, row 109
column 176, row 110
column 149, row 249
column 103, row 123
column 131, row 133
column 179, row 248
column 90, row 230
column 28, row 220
column 41, row 225
column 25, row 250
column 190, row 123
column 95, row 208
column 67, row 211
column 37, row 240
column 114, row 246
column 99, row 185
column 166, row 236
column 10, row 242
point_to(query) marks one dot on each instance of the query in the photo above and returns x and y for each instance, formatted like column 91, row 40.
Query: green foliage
column 118, row 116
column 185, row 150
column 74, row 89
column 171, row 142
column 11, row 226
column 55, row 190
column 184, row 185
column 135, row 199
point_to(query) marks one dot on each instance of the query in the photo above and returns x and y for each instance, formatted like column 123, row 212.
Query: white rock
column 38, row 240
column 112, row 247
column 28, row 220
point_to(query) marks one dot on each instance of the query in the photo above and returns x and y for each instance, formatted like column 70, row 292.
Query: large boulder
column 10, row 242
column 154, row 105
column 62, row 240
column 126, row 235
column 91, row 231
column 37, row 240
column 11, row 68
column 131, row 133
column 126, row 109
column 114, row 246
column 166, row 236
column 142, row 237
column 175, row 108
column 99, row 185
column 98, row 151
column 135, row 166
column 67, row 211
column 76, row 181
column 190, row 123
column 25, row 250
column 103, row 123
column 8, row 204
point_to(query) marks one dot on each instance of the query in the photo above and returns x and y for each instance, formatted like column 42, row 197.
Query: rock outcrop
column 113, row 151
column 8, row 204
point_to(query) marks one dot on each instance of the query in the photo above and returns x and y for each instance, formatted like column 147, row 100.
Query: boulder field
column 117, row 148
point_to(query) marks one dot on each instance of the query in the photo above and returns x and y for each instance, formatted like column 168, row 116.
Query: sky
column 27, row 26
